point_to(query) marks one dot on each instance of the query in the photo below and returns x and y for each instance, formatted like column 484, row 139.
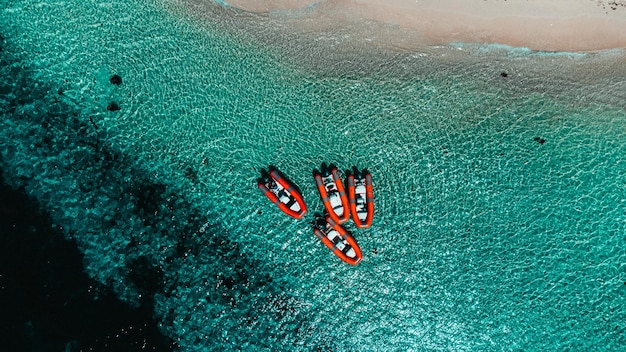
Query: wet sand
column 549, row 25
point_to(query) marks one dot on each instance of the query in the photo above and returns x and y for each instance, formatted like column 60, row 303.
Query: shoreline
column 548, row 25
column 322, row 41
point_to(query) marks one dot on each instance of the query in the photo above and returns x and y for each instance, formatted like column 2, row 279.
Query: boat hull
column 361, row 199
column 339, row 241
column 333, row 195
column 282, row 193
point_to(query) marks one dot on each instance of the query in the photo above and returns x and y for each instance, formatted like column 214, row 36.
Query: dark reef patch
column 147, row 277
column 61, row 154
column 116, row 79
column 147, row 197
column 49, row 303
column 113, row 106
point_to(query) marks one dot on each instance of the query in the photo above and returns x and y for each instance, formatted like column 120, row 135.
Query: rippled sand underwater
column 498, row 177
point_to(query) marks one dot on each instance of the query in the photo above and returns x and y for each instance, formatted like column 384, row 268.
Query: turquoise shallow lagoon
column 499, row 177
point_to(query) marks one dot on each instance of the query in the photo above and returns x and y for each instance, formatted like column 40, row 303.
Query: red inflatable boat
column 337, row 239
column 332, row 193
column 282, row 193
column 361, row 196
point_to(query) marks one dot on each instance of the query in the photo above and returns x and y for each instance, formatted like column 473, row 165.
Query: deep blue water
column 49, row 303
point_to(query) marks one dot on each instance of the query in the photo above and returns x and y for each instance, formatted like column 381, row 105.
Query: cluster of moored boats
column 339, row 205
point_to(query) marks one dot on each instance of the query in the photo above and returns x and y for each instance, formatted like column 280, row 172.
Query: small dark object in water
column 116, row 79
column 113, row 106
column 229, row 282
column 540, row 140
column 93, row 123
column 191, row 175
column 504, row 74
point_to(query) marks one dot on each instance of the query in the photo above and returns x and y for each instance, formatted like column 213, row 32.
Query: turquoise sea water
column 500, row 198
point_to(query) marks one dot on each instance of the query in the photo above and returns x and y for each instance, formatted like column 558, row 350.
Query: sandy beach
column 549, row 25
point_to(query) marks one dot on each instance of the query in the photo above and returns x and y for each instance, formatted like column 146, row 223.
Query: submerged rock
column 113, row 106
column 116, row 79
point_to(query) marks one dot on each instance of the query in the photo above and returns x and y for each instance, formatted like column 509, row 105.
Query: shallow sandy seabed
column 326, row 40
column 548, row 25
